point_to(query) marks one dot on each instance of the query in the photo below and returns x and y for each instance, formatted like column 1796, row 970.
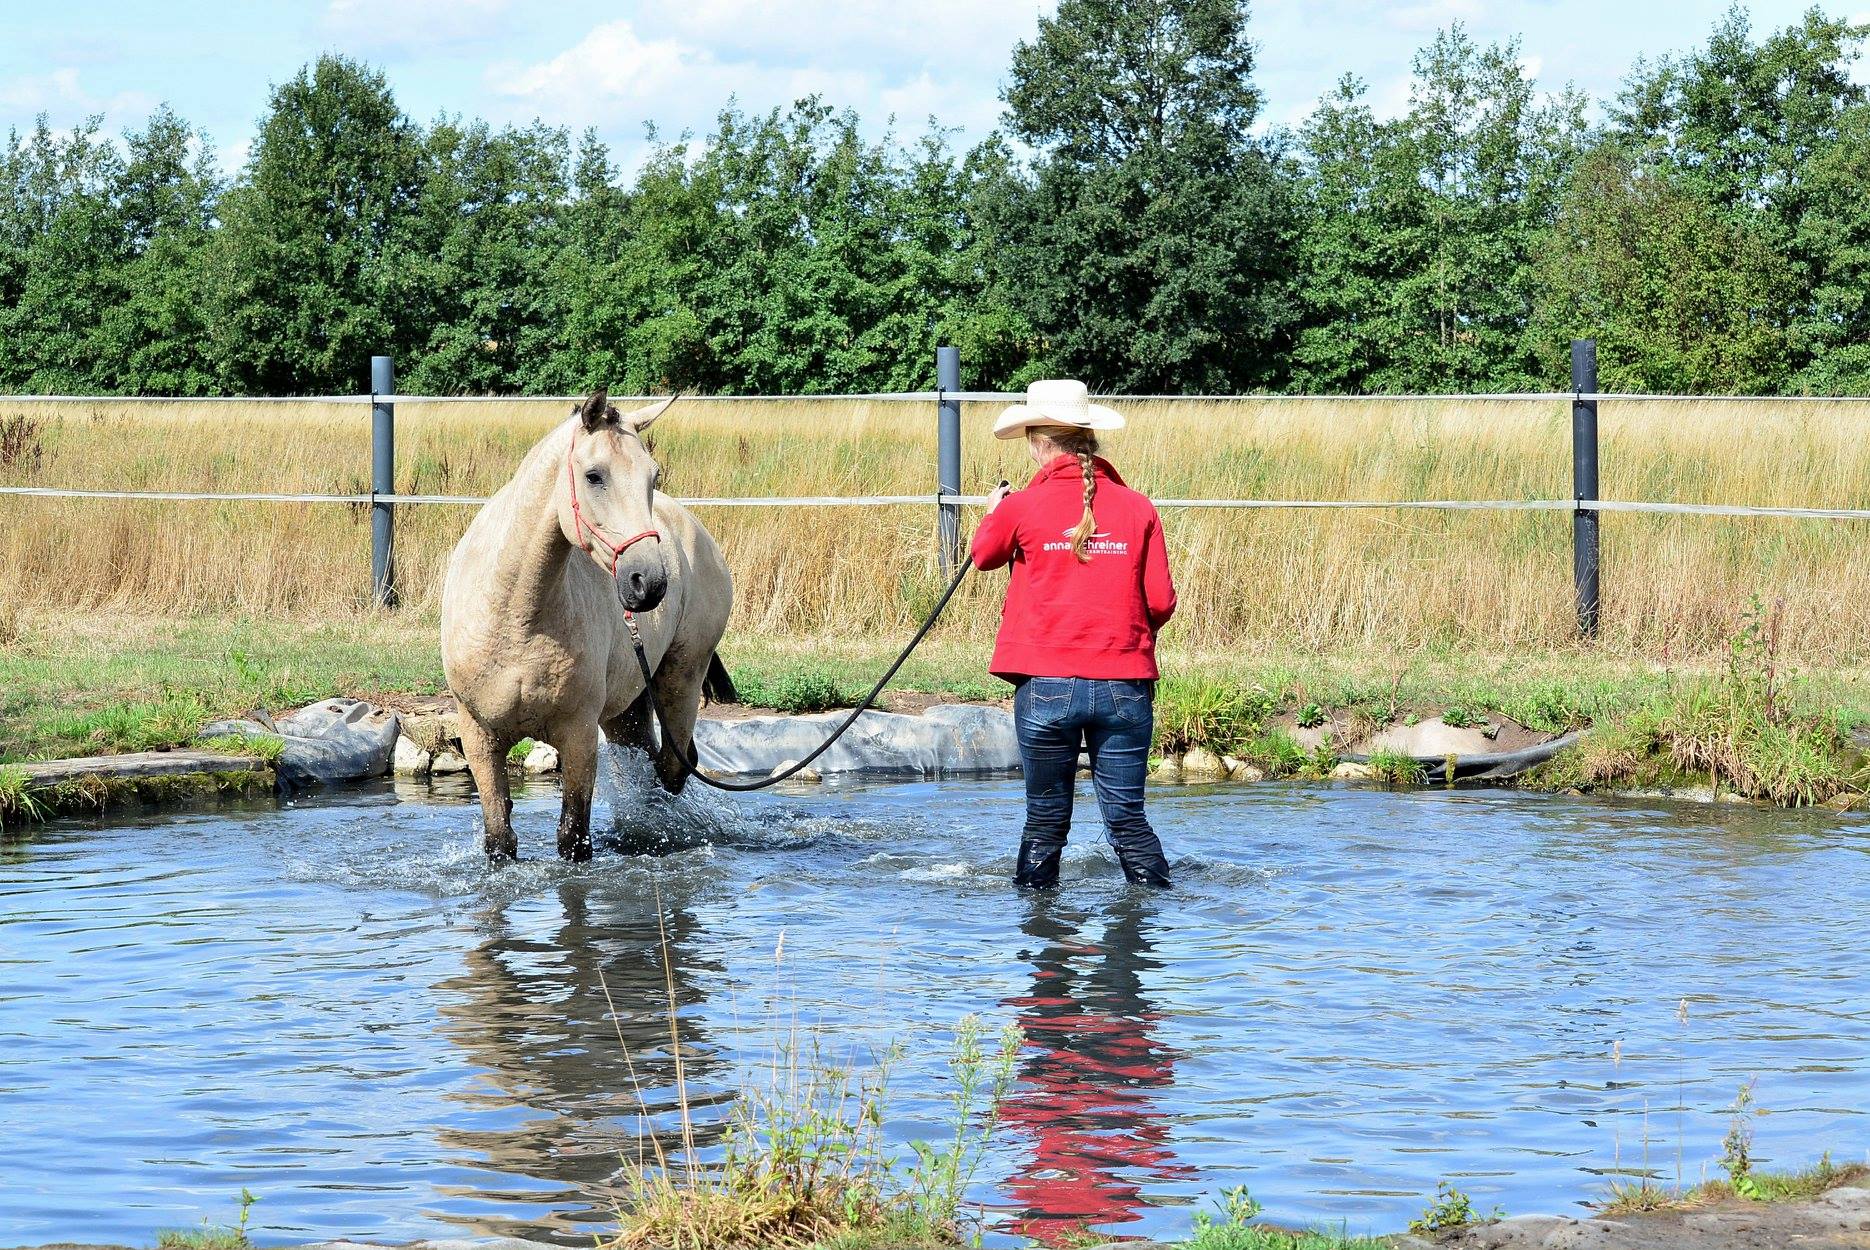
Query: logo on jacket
column 1100, row 543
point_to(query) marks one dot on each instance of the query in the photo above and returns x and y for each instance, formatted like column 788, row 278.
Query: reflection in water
column 560, row 1099
column 1083, row 1100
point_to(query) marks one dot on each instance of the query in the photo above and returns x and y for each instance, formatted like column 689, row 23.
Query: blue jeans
column 1111, row 719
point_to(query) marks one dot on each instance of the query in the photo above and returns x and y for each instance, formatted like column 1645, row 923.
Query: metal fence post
column 948, row 468
column 1585, row 548
column 382, row 479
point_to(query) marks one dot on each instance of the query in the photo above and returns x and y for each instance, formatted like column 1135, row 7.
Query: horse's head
column 606, row 504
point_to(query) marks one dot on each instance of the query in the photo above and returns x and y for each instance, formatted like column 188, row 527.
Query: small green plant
column 212, row 1236
column 1396, row 769
column 1737, row 1146
column 939, row 1177
column 798, row 690
column 1232, row 1231
column 1459, row 717
column 17, row 804
column 1311, row 716
column 1451, row 1209
column 1642, row 1194
column 520, row 751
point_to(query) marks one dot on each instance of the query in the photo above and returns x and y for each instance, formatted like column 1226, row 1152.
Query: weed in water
column 519, row 751
column 1235, row 1230
column 1737, row 1146
column 806, row 1163
column 212, row 1236
column 1451, row 1209
column 17, row 805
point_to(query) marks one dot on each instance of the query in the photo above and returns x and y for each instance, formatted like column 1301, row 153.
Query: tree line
column 1130, row 224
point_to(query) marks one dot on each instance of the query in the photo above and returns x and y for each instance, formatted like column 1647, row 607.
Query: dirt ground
column 1840, row 1218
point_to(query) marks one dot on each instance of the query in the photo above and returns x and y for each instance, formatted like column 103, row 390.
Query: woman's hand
column 999, row 494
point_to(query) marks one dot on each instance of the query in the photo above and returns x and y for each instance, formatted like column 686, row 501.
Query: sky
column 618, row 65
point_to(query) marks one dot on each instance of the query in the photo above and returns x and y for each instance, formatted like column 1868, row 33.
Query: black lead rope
column 691, row 764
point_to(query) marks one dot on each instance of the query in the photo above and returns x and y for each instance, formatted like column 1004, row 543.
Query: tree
column 1680, row 298
column 1769, row 136
column 1421, row 235
column 486, row 220
column 1150, row 247
column 61, row 246
column 313, row 264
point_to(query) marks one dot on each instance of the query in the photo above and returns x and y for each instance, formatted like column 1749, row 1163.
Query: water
column 1352, row 995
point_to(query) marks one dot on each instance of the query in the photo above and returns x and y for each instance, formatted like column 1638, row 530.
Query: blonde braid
column 1074, row 441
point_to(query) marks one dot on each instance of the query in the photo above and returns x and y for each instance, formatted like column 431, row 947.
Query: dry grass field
column 1252, row 582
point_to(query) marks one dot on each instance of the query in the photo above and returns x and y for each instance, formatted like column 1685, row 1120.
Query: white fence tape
column 888, row 501
column 929, row 397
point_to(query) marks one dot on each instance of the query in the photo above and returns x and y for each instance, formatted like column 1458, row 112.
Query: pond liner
column 1487, row 766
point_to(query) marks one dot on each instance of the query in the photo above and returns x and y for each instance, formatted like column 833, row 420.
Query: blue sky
column 617, row 65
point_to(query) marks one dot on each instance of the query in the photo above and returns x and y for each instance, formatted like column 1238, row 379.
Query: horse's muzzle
column 641, row 588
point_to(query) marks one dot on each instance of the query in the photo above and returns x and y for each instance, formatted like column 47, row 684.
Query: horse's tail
column 717, row 686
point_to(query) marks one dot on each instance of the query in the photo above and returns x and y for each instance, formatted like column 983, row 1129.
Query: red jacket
column 1063, row 618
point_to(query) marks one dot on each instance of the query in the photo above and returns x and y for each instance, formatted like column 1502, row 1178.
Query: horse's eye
column 594, row 477
column 655, row 479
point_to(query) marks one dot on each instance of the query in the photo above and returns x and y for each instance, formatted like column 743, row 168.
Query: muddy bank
column 1837, row 1220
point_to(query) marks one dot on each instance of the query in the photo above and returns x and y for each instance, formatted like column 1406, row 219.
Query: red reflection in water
column 1083, row 1097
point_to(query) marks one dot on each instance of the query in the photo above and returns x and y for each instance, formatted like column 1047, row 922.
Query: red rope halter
column 582, row 527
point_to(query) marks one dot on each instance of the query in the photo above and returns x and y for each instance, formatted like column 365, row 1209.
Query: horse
column 537, row 608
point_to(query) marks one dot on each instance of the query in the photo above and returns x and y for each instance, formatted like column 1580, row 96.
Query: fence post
column 948, row 468
column 382, row 479
column 1585, row 549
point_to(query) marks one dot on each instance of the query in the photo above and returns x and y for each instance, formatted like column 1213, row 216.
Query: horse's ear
column 594, row 408
column 640, row 419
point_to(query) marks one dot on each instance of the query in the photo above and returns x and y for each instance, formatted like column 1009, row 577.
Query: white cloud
column 63, row 97
column 947, row 37
column 681, row 72
column 396, row 27
column 1430, row 15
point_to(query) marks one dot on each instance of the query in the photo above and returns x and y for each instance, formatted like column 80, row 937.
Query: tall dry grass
column 1249, row 580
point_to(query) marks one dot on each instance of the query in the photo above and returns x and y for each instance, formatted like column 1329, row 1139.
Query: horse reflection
column 562, row 1100
column 1082, row 1098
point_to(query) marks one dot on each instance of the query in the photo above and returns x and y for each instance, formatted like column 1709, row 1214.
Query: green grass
column 91, row 685
column 1644, row 1194
column 212, row 1236
column 100, row 685
column 17, row 805
column 1233, row 1229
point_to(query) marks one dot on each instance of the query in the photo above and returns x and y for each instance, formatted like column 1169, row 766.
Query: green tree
column 1769, row 134
column 61, row 247
column 1418, row 256
column 1149, row 250
column 1680, row 298
column 312, row 268
column 153, row 339
column 487, row 219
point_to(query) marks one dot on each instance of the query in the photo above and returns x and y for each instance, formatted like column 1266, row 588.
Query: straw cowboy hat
column 1056, row 401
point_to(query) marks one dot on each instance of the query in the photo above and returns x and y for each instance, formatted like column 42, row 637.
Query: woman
column 1090, row 588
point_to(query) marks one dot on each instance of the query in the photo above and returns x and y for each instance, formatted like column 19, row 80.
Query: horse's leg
column 678, row 692
column 577, row 771
column 486, row 757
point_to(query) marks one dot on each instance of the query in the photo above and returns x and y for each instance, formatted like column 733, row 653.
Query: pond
column 1351, row 995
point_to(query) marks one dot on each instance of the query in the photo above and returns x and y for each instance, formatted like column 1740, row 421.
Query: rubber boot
column 1038, row 864
column 1144, row 866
